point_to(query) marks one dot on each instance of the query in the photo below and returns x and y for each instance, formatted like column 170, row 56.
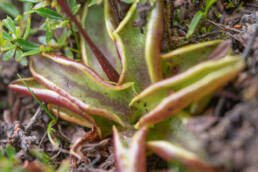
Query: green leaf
column 7, row 45
column 153, row 41
column 94, row 2
column 29, row 86
column 63, row 107
column 48, row 31
column 128, row 1
column 65, row 34
column 74, row 6
column 7, row 36
column 69, row 115
column 94, row 22
column 40, row 5
column 42, row 156
column 31, row 52
column 8, row 55
column 18, row 55
column 10, row 25
column 65, row 167
column 185, row 57
column 209, row 3
column 68, row 53
column 18, row 32
column 130, row 152
column 1, row 154
column 111, row 23
column 171, row 152
column 24, row 62
column 27, row 7
column 194, row 23
column 28, row 25
column 10, row 151
column 131, row 44
column 83, row 87
column 50, row 130
column 9, row 8
column 167, row 97
column 48, row 13
column 172, row 141
column 173, row 129
column 26, row 45
column 104, row 126
column 200, row 105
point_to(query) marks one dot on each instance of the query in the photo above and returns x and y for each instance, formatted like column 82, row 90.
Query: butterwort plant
column 126, row 87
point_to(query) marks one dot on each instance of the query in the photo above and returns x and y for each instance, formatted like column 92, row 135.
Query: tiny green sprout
column 53, row 119
column 198, row 16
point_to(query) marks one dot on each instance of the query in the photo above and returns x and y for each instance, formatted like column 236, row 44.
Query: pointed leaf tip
column 171, row 152
column 93, row 19
column 167, row 97
column 153, row 41
column 131, row 157
column 83, row 87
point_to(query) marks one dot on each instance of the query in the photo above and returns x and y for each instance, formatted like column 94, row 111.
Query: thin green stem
column 53, row 119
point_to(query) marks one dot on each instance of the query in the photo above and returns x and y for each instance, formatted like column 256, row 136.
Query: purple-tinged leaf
column 105, row 64
column 172, row 141
column 170, row 152
column 83, row 87
column 165, row 98
column 63, row 107
column 131, row 157
column 93, row 20
column 183, row 58
column 43, row 93
column 222, row 50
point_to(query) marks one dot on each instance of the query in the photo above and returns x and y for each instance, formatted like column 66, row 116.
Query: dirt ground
column 228, row 129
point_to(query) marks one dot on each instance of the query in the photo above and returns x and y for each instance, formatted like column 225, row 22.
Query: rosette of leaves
column 141, row 96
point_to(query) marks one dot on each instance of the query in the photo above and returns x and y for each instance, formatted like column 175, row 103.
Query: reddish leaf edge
column 131, row 158
column 51, row 97
column 170, row 105
column 170, row 152
column 111, row 73
column 48, row 96
column 153, row 42
column 82, row 106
